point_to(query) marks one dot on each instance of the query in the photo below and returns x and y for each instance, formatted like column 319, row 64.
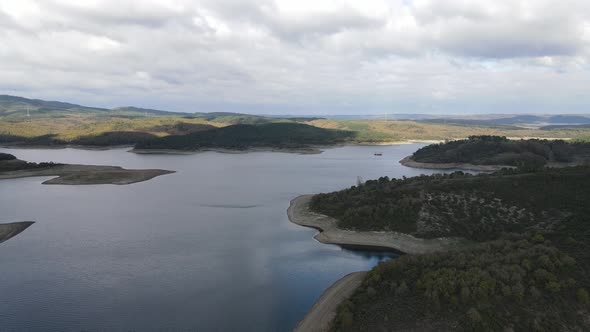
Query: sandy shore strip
column 300, row 214
column 12, row 229
column 320, row 316
column 87, row 174
column 408, row 162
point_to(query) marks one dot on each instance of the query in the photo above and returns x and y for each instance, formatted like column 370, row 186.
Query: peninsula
column 12, row 168
column 10, row 230
column 280, row 136
column 299, row 213
column 492, row 153
column 524, row 267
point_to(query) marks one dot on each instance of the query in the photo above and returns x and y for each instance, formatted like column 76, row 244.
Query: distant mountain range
column 516, row 120
column 14, row 108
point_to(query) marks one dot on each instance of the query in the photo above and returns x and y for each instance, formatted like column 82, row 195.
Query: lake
column 209, row 248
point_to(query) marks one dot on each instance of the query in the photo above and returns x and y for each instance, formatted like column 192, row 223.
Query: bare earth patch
column 12, row 229
column 88, row 174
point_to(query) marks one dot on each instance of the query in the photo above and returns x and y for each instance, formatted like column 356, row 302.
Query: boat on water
column 378, row 154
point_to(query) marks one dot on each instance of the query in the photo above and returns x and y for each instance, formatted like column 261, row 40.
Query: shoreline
column 87, row 174
column 323, row 311
column 66, row 146
column 299, row 213
column 321, row 314
column 311, row 149
column 308, row 150
column 409, row 162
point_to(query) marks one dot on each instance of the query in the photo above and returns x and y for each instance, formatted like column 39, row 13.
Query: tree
column 465, row 294
column 402, row 289
column 474, row 317
column 582, row 295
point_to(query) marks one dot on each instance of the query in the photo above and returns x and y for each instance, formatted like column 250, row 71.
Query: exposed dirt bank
column 12, row 229
column 407, row 161
column 65, row 146
column 322, row 313
column 87, row 174
column 300, row 214
column 307, row 150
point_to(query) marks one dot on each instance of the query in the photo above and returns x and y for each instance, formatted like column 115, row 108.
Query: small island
column 492, row 153
column 523, row 265
column 68, row 174
column 279, row 136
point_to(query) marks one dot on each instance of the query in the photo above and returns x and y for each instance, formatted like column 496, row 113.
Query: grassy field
column 385, row 130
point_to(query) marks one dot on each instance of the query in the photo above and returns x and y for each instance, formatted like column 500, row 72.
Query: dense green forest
column 9, row 163
column 526, row 271
column 242, row 136
column 520, row 283
column 478, row 207
column 496, row 150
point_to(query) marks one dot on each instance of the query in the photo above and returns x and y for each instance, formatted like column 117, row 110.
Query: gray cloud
column 300, row 56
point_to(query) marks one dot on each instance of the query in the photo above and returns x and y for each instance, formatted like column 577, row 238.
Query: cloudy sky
column 301, row 56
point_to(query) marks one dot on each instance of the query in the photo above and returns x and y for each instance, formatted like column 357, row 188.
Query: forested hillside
column 520, row 283
column 528, row 269
column 496, row 150
column 239, row 137
column 479, row 207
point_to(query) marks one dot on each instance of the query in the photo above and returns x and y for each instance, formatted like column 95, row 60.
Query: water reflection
column 209, row 248
column 375, row 254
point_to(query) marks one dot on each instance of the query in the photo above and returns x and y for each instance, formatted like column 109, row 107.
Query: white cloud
column 305, row 56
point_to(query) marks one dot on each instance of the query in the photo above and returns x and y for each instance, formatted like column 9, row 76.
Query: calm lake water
column 209, row 248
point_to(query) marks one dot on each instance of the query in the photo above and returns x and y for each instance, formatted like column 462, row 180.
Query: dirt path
column 324, row 310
